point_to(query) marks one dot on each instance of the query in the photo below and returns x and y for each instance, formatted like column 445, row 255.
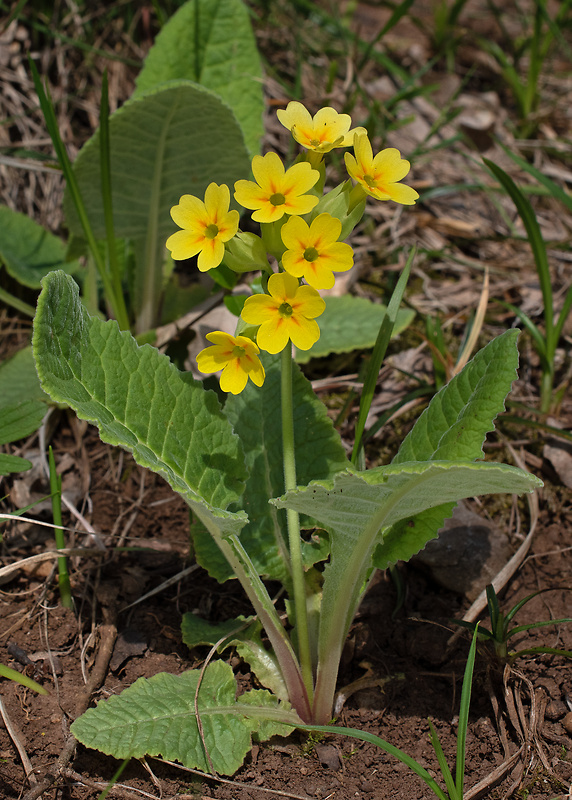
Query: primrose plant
column 272, row 492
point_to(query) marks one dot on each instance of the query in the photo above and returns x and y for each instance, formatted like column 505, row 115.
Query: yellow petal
column 325, row 230
column 268, row 172
column 233, row 378
column 184, row 244
column 273, row 335
column 304, row 334
column 294, row 114
column 389, row 165
column 190, row 213
column 211, row 254
column 294, row 233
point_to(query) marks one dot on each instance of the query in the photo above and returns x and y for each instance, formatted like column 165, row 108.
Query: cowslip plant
column 265, row 474
column 500, row 631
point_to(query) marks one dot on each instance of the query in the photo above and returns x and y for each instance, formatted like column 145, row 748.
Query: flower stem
column 293, row 520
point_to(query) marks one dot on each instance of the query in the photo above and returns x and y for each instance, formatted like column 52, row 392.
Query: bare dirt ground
column 400, row 648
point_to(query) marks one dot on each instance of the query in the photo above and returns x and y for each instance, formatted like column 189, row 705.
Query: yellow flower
column 314, row 252
column 276, row 191
column 379, row 176
column 326, row 130
column 237, row 356
column 286, row 313
column 206, row 227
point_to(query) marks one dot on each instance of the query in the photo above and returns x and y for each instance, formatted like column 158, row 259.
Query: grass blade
column 537, row 245
column 464, row 715
column 378, row 355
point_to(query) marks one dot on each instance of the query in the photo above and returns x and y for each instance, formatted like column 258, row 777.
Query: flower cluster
column 302, row 228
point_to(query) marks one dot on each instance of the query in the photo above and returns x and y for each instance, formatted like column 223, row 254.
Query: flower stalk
column 293, row 522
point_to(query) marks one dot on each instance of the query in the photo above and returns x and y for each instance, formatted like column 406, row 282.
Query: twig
column 240, row 784
column 108, row 635
column 29, row 770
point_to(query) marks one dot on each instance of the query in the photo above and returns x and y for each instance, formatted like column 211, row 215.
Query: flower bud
column 246, row 253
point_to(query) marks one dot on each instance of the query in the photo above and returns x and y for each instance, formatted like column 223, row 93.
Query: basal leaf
column 459, row 416
column 351, row 323
column 253, row 415
column 9, row 463
column 165, row 142
column 20, row 420
column 356, row 507
column 245, row 635
column 453, row 426
column 29, row 251
column 19, row 380
column 139, row 401
column 211, row 43
column 156, row 716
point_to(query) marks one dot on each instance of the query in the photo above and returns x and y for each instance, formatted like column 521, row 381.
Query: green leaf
column 19, row 380
column 351, row 323
column 356, row 508
column 139, row 401
column 9, row 463
column 20, row 420
column 453, row 426
column 211, row 43
column 29, row 251
column 459, row 416
column 156, row 716
column 167, row 141
column 253, row 415
column 245, row 635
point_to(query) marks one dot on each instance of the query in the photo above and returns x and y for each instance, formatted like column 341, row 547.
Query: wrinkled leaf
column 139, row 401
column 211, row 43
column 245, row 635
column 453, row 426
column 156, row 716
column 29, row 251
column 254, row 415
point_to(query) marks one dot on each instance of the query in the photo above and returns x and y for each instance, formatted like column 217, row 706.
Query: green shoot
column 547, row 342
column 56, row 494
column 500, row 631
column 116, row 301
column 378, row 355
column 18, row 677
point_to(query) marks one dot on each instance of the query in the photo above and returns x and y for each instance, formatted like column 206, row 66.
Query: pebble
column 567, row 723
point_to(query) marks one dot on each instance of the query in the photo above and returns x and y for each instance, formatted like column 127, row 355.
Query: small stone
column 567, row 723
column 467, row 554
column 329, row 756
column 555, row 710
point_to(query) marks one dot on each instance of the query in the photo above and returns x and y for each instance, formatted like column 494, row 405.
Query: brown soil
column 520, row 723
column 411, row 672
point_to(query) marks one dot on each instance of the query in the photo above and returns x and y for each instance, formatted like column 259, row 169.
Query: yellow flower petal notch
column 379, row 175
column 314, row 252
column 322, row 132
column 206, row 227
column 277, row 191
column 237, row 356
column 286, row 313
